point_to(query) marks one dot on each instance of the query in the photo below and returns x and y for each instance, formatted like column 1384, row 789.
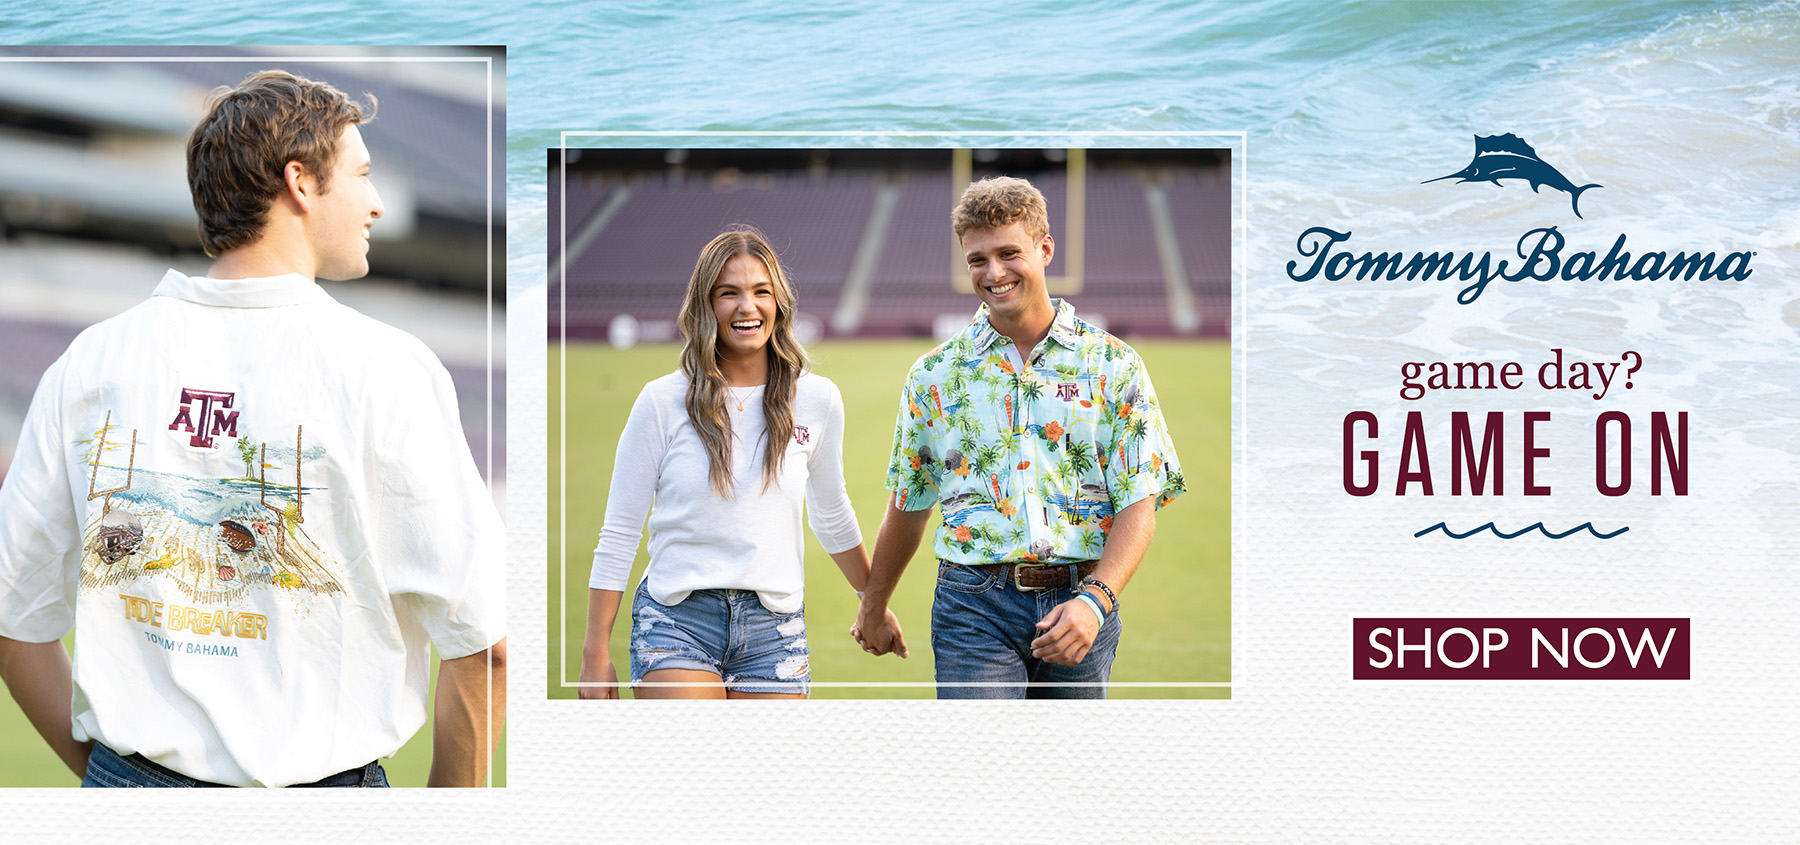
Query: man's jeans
column 981, row 633
column 107, row 768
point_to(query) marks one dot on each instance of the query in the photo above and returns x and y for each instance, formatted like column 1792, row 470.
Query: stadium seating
column 639, row 262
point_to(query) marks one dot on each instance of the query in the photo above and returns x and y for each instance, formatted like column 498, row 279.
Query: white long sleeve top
column 700, row 541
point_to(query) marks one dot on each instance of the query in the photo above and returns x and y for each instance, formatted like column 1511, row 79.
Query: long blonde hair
column 707, row 388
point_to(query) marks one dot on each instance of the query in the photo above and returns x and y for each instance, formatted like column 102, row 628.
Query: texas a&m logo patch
column 213, row 420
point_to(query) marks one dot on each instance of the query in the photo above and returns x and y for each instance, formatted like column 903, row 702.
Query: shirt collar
column 1062, row 327
column 267, row 292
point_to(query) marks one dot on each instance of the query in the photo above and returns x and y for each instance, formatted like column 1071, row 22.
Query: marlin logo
column 1508, row 157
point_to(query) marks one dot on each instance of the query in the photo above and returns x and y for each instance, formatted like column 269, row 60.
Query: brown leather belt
column 1039, row 576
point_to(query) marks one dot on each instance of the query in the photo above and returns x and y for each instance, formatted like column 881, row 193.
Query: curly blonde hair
column 999, row 201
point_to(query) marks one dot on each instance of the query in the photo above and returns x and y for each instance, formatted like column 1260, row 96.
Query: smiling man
column 254, row 506
column 1041, row 438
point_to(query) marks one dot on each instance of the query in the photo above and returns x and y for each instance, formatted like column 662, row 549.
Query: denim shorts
column 726, row 632
column 981, row 633
column 106, row 768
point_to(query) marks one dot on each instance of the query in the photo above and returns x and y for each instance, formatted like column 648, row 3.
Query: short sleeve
column 912, row 468
column 440, row 541
column 1141, row 461
column 40, row 533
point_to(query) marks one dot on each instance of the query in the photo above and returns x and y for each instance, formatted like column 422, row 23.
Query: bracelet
column 1095, row 582
column 1094, row 605
column 859, row 594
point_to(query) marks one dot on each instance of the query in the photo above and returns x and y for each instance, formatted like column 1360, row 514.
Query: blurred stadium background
column 94, row 207
column 865, row 234
column 1143, row 248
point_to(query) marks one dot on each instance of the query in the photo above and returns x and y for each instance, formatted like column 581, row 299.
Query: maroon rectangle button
column 1519, row 649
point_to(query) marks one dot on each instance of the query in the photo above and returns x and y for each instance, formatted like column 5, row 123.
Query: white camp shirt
column 293, row 517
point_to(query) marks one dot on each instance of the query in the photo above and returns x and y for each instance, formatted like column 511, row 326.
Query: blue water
column 1688, row 112
column 1311, row 83
column 203, row 502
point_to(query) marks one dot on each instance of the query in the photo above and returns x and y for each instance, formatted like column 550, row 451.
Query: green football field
column 1177, row 610
column 25, row 760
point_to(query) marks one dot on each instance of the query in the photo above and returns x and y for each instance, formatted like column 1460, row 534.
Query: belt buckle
column 1020, row 585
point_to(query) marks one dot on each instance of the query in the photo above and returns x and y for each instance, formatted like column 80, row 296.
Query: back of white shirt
column 257, row 510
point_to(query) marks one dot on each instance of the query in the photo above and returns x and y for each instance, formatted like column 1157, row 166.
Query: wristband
column 1095, row 582
column 1094, row 605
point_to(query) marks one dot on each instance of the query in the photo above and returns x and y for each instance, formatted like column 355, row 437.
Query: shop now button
column 1519, row 649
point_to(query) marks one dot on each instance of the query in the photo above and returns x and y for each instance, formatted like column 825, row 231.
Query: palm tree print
column 1080, row 456
column 987, row 458
column 1140, row 429
column 999, row 452
column 247, row 454
column 1032, row 388
column 1092, row 542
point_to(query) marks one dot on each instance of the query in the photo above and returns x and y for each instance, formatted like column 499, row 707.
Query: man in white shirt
column 254, row 506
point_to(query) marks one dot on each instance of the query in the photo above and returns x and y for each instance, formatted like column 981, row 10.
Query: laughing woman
column 727, row 449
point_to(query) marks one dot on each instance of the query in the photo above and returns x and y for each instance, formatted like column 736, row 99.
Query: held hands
column 879, row 635
column 1069, row 630
column 604, row 672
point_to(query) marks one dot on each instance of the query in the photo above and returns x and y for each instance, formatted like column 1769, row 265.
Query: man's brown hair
column 1000, row 201
column 238, row 154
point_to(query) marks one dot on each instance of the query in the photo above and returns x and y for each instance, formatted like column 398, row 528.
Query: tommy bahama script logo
column 1538, row 255
column 213, row 420
column 1509, row 157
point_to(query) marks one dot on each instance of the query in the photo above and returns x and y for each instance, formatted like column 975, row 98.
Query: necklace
column 744, row 398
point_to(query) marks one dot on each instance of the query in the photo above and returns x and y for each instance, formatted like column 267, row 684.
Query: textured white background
column 1695, row 152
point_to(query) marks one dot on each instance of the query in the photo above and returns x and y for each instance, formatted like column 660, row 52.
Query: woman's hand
column 598, row 671
column 596, row 647
column 878, row 635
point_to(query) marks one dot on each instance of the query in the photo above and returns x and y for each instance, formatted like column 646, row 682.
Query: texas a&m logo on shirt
column 213, row 421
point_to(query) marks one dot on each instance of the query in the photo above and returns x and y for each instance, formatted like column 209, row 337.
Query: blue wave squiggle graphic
column 1536, row 526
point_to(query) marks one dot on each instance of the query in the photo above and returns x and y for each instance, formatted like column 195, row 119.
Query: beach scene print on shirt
column 214, row 539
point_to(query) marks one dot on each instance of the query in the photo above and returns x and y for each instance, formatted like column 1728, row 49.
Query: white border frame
column 1239, row 170
column 488, row 186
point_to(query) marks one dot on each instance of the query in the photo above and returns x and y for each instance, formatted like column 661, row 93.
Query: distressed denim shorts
column 108, row 768
column 726, row 632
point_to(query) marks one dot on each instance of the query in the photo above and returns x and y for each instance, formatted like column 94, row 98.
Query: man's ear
column 300, row 188
column 1049, row 247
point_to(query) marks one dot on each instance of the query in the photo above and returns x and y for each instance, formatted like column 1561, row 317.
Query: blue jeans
column 726, row 632
column 106, row 768
column 981, row 632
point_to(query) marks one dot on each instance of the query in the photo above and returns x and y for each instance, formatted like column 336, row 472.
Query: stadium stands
column 819, row 220
column 640, row 263
column 1201, row 205
column 94, row 203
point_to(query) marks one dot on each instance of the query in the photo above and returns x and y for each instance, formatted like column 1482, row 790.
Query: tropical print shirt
column 1030, row 463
